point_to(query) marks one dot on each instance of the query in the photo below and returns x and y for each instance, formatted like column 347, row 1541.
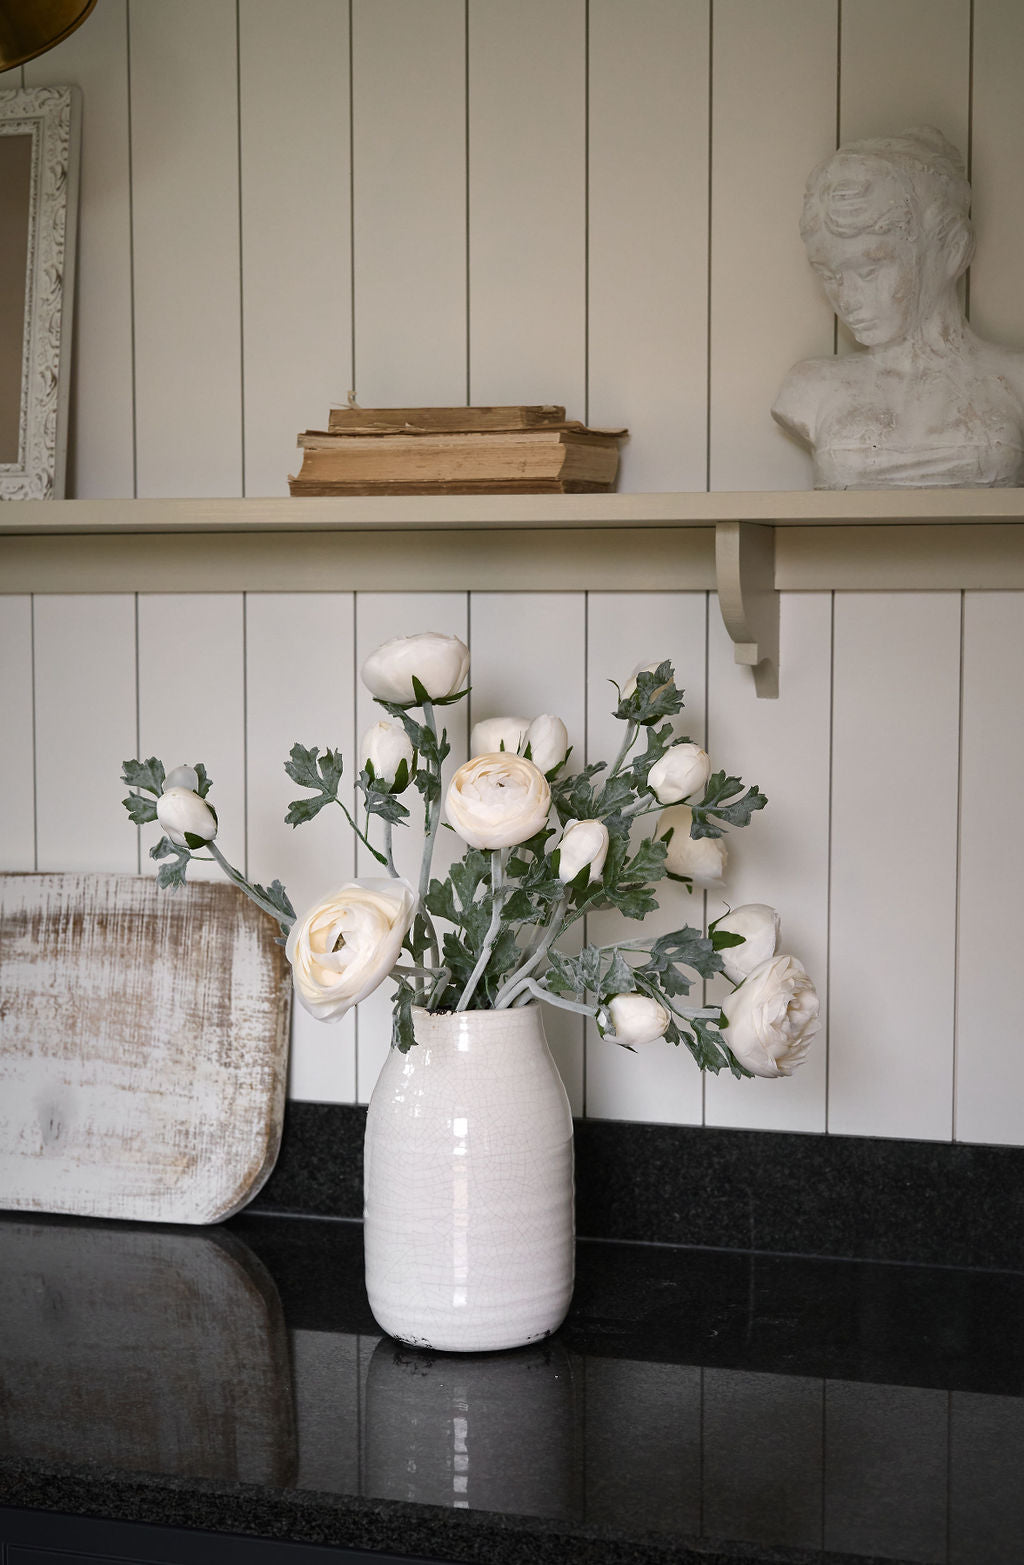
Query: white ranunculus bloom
column 386, row 745
column 682, row 772
column 182, row 777
column 346, row 945
column 548, row 741
column 498, row 733
column 583, row 842
column 497, row 800
column 184, row 814
column 702, row 860
column 440, row 663
column 637, row 1018
column 772, row 1017
column 759, row 925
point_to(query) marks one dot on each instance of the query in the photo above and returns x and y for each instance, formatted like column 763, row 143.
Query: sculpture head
column 887, row 229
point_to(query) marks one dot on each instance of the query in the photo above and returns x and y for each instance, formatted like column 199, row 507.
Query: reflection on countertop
column 825, row 1407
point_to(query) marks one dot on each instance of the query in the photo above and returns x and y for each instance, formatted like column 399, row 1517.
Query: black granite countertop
column 698, row 1404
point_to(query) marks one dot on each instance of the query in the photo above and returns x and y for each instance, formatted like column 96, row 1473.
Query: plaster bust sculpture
column 887, row 229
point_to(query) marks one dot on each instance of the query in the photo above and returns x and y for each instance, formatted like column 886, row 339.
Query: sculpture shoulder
column 801, row 395
column 1006, row 364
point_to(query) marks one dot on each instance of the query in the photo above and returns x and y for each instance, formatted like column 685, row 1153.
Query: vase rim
column 505, row 1013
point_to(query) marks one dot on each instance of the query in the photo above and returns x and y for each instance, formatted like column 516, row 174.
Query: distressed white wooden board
column 647, row 254
column 295, row 229
column 85, row 685
column 17, row 780
column 528, row 657
column 201, row 1382
column 896, row 672
column 143, row 1050
column 282, row 709
column 527, row 202
column 657, row 1082
column 782, row 857
column 379, row 617
column 997, row 125
column 990, row 1064
column 191, row 707
column 100, row 445
column 773, row 118
column 904, row 63
column 409, row 168
column 188, row 360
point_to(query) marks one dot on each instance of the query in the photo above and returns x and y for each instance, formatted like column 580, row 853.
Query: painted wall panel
column 296, row 233
column 767, row 312
column 648, row 207
column 409, row 167
column 286, row 704
column 101, row 428
column 997, row 123
column 18, row 814
column 185, row 231
column 896, row 676
column 85, row 728
column 625, row 631
column 990, row 1070
column 782, row 857
column 904, row 63
column 192, row 707
column 527, row 202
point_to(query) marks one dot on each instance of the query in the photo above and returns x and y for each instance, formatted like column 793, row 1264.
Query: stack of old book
column 508, row 450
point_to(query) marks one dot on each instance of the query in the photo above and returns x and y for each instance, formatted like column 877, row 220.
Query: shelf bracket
column 745, row 570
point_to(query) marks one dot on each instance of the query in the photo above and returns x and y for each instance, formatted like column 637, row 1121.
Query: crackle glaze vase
column 469, row 1185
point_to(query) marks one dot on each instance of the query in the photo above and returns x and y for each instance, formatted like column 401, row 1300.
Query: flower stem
column 498, row 856
column 363, row 838
column 240, row 881
column 627, row 744
column 533, row 957
column 389, row 828
column 530, row 986
column 432, row 814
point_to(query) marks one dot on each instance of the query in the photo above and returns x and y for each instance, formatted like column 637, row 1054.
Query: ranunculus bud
column 637, row 1018
column 495, row 801
column 385, row 746
column 772, row 1017
column 548, row 741
column 183, row 814
column 702, row 860
column 629, row 687
column 759, row 925
column 348, row 943
column 440, row 663
column 682, row 772
column 182, row 777
column 583, row 842
column 498, row 733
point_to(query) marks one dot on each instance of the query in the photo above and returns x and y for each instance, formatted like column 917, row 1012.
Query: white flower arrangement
column 544, row 847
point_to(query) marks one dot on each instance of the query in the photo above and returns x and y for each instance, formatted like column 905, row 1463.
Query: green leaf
column 403, row 1034
column 276, row 895
column 722, row 939
column 619, row 977
column 441, row 901
column 170, row 876
column 655, row 696
column 648, row 863
column 205, row 782
column 148, row 775
column 140, row 810
column 467, row 874
column 688, row 946
column 302, row 810
column 386, row 806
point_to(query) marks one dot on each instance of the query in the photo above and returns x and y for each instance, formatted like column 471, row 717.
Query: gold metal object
column 30, row 27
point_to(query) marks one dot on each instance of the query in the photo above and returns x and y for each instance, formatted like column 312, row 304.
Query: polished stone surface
column 697, row 1404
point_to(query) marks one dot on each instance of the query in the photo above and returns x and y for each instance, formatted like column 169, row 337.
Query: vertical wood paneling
column 528, row 658
column 905, row 63
column 409, row 158
column 626, row 630
column 191, row 705
column 997, row 299
column 379, row 617
column 894, row 810
column 773, row 118
column 100, row 439
column 17, row 811
column 647, row 251
column 188, row 371
column 990, row 1067
column 85, row 728
column 282, row 708
column 527, row 202
column 782, row 857
column 296, row 234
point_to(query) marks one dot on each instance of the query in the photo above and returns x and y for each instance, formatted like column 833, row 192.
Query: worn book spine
column 537, row 454
column 355, row 421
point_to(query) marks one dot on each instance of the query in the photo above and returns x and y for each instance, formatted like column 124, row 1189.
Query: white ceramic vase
column 469, row 1185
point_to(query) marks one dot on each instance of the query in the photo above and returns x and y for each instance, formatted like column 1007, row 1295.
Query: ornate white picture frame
column 39, row 148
